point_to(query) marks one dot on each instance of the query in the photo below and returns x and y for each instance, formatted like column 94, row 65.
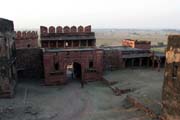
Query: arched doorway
column 77, row 72
column 74, row 72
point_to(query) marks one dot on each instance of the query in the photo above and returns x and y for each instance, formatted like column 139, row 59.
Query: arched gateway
column 74, row 72
column 71, row 55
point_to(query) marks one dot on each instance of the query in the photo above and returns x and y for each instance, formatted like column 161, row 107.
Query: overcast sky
column 98, row 13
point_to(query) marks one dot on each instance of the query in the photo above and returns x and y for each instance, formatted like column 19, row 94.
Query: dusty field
column 94, row 102
column 115, row 36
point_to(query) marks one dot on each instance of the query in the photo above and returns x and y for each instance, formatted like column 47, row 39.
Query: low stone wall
column 142, row 107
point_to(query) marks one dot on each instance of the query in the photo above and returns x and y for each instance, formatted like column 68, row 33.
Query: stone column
column 132, row 63
column 72, row 44
column 48, row 44
column 148, row 62
column 64, row 44
column 140, row 62
column 79, row 43
column 56, row 44
column 153, row 62
column 86, row 43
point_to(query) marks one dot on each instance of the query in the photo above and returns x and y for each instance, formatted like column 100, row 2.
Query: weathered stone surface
column 30, row 63
column 171, row 87
column 6, row 25
column 7, row 58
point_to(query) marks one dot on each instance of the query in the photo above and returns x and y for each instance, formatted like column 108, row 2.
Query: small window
column 68, row 44
column 175, row 71
column 56, row 66
column 91, row 65
column 28, row 45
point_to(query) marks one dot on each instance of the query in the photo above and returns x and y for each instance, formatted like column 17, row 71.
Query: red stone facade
column 26, row 39
column 117, row 57
column 64, row 58
column 70, row 46
column 136, row 44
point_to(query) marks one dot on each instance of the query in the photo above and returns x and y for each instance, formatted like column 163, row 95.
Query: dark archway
column 74, row 72
column 77, row 71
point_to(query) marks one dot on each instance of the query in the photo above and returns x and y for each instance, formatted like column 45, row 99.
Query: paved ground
column 147, row 85
column 94, row 102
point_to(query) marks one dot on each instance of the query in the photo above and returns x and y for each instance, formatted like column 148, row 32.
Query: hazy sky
column 98, row 13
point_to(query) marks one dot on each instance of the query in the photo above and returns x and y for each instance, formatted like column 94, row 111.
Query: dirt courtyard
column 95, row 101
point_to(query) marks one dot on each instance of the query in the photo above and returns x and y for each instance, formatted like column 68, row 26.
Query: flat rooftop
column 121, row 48
column 71, row 49
column 158, row 54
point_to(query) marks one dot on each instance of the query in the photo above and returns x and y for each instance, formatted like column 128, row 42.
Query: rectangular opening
column 90, row 43
column 75, row 43
column 56, row 63
column 91, row 64
column 60, row 44
column 53, row 44
column 45, row 44
column 83, row 43
column 68, row 43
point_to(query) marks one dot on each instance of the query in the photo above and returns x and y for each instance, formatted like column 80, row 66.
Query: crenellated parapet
column 67, row 37
column 66, row 29
column 26, row 39
column 25, row 35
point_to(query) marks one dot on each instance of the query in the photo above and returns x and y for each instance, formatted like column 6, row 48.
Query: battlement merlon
column 6, row 25
column 24, row 35
column 59, row 30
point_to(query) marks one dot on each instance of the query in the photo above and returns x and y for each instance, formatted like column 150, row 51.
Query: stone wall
column 26, row 39
column 112, row 60
column 30, row 63
column 55, row 65
column 171, row 87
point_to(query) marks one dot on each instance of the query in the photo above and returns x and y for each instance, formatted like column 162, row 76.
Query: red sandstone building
column 29, row 55
column 136, row 44
column 70, row 53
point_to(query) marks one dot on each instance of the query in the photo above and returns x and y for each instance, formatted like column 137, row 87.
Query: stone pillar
column 86, row 43
column 56, row 44
column 171, row 87
column 159, row 64
column 153, row 62
column 72, row 45
column 132, row 62
column 64, row 44
column 79, row 43
column 140, row 62
column 148, row 62
column 48, row 44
